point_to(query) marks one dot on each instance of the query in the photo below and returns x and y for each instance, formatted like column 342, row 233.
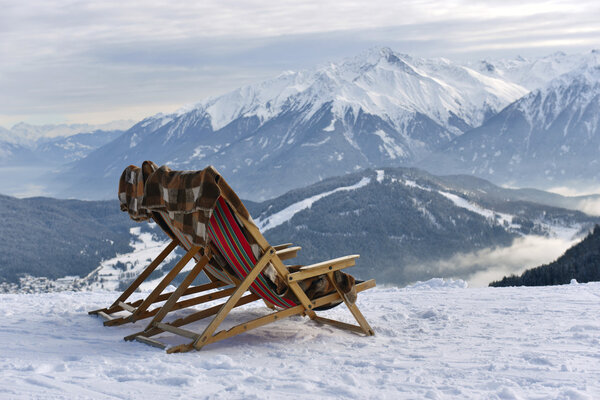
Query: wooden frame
column 139, row 309
column 271, row 255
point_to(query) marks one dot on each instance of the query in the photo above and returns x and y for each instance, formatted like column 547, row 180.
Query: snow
column 413, row 184
column 311, row 144
column 389, row 145
column 554, row 229
column 287, row 213
column 439, row 283
column 488, row 214
column 331, row 126
column 434, row 340
column 145, row 248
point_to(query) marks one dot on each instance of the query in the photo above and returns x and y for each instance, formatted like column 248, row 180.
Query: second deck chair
column 140, row 309
column 226, row 231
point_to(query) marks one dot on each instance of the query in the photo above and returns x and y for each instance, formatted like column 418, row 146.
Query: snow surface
column 436, row 340
column 287, row 213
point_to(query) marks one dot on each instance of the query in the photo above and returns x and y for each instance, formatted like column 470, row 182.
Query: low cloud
column 481, row 267
column 590, row 206
column 570, row 191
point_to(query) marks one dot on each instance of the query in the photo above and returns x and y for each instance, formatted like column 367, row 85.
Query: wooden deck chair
column 228, row 240
column 140, row 309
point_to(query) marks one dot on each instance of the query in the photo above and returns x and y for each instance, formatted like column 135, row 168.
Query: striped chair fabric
column 225, row 232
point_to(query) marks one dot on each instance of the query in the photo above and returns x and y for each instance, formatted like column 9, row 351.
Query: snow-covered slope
column 437, row 340
column 381, row 108
column 550, row 137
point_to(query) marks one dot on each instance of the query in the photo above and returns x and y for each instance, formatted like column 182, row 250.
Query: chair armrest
column 282, row 246
column 323, row 267
column 286, row 254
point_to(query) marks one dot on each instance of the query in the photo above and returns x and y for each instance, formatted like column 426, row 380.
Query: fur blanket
column 189, row 197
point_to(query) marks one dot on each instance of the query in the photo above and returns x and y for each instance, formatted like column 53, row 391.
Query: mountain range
column 548, row 137
column 381, row 108
column 31, row 155
column 53, row 145
column 404, row 221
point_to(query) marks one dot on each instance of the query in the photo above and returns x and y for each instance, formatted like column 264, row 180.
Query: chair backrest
column 228, row 237
column 187, row 245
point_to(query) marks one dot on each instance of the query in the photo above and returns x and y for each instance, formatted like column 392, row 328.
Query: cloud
column 484, row 266
column 590, row 206
column 65, row 59
column 570, row 191
column 590, row 201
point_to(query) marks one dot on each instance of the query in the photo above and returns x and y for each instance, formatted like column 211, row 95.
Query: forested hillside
column 580, row 262
column 54, row 238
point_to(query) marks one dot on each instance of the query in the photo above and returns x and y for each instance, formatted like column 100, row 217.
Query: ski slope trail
column 435, row 340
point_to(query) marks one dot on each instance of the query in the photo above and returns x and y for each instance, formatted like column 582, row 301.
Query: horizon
column 96, row 63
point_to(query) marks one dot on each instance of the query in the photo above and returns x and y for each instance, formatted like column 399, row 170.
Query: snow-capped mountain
column 53, row 145
column 534, row 73
column 29, row 159
column 74, row 147
column 29, row 135
column 381, row 108
column 547, row 138
column 379, row 82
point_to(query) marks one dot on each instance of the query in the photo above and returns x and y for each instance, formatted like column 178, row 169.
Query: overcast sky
column 97, row 61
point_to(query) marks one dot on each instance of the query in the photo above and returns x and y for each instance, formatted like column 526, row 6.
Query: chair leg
column 197, row 316
column 364, row 325
column 244, row 285
column 144, row 336
column 116, row 307
column 164, row 283
column 164, row 310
